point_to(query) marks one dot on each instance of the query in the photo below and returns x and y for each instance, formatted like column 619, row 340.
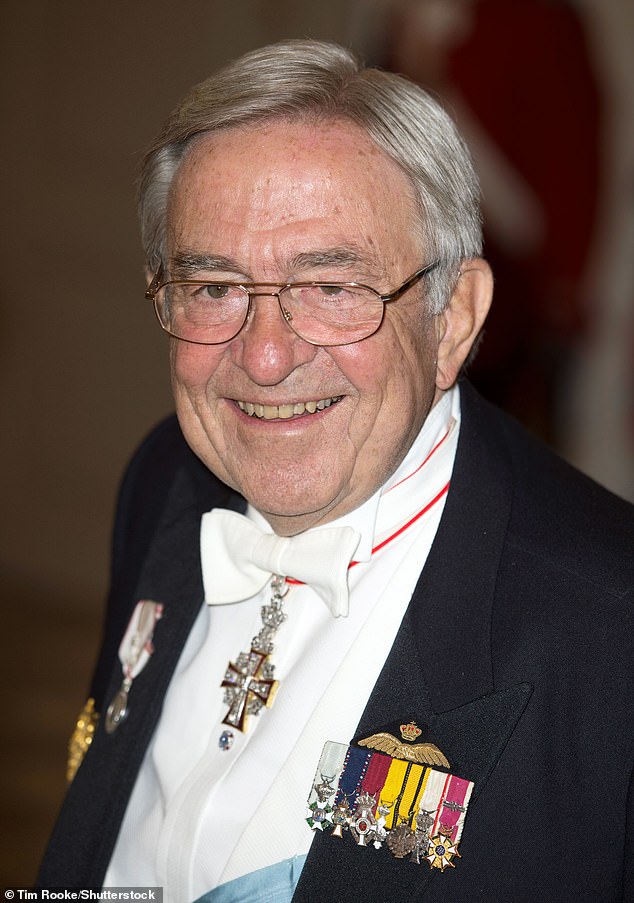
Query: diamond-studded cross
column 249, row 686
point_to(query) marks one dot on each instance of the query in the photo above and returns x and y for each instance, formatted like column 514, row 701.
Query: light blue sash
column 274, row 884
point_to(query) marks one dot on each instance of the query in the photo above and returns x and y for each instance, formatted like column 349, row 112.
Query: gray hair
column 315, row 80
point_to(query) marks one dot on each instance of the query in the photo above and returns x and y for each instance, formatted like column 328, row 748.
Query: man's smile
column 286, row 411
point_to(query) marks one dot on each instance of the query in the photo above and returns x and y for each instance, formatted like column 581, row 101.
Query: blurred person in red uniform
column 519, row 80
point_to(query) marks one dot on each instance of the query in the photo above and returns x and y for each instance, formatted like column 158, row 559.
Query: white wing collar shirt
column 200, row 815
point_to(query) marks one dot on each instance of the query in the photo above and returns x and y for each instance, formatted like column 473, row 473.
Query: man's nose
column 266, row 348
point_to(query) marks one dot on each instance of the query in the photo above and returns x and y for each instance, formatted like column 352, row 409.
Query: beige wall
column 82, row 363
column 83, row 368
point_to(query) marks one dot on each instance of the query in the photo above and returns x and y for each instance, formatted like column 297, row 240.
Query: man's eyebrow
column 348, row 255
column 187, row 264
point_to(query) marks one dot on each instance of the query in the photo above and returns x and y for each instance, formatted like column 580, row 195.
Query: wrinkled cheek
column 186, row 364
column 202, row 426
column 189, row 391
column 192, row 367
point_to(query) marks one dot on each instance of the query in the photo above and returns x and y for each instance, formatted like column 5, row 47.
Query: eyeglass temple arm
column 410, row 282
column 154, row 285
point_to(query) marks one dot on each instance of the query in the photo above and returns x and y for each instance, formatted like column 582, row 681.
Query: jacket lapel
column 453, row 602
column 439, row 672
column 472, row 736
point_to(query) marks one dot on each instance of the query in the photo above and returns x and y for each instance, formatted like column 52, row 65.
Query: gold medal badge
column 81, row 738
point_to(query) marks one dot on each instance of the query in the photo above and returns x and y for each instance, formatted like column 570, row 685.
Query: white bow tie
column 238, row 559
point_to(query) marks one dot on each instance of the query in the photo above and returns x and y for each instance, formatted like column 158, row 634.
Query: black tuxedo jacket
column 515, row 653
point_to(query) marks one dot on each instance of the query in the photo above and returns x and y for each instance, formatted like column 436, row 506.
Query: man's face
column 283, row 202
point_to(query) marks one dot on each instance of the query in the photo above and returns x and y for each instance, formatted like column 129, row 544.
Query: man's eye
column 216, row 290
column 332, row 291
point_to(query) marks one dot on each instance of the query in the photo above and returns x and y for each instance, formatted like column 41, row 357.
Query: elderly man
column 366, row 640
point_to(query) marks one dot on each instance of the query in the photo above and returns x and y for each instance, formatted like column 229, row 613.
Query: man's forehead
column 247, row 195
column 332, row 145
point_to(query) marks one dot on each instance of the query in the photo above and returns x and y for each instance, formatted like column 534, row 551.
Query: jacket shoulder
column 561, row 515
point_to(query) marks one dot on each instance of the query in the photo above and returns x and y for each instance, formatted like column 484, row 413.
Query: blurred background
column 544, row 91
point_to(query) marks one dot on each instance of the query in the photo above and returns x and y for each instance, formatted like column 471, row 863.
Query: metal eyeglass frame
column 250, row 288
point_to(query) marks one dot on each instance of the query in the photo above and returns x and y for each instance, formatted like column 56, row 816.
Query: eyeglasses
column 321, row 313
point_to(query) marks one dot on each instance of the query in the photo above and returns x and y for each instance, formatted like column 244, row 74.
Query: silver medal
column 118, row 708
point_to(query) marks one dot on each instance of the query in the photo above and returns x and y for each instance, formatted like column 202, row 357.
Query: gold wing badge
column 422, row 753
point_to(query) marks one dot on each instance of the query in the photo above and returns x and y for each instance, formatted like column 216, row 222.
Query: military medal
column 340, row 819
column 320, row 816
column 416, row 810
column 424, row 822
column 134, row 653
column 441, row 852
column 362, row 821
column 81, row 738
column 401, row 840
column 117, row 711
column 321, row 810
column 382, row 810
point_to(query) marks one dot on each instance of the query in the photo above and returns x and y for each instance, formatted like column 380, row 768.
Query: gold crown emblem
column 410, row 731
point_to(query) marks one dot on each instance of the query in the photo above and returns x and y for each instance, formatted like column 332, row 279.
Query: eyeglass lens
column 322, row 314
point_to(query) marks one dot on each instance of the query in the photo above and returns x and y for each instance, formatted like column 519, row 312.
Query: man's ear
column 460, row 323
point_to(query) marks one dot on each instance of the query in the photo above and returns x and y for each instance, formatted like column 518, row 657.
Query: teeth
column 286, row 411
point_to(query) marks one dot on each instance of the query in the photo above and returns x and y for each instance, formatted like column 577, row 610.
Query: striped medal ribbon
column 416, row 810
